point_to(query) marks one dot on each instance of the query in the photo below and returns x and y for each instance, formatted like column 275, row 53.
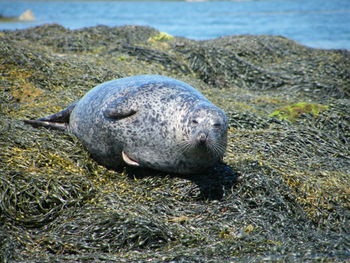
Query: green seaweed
column 295, row 111
column 160, row 37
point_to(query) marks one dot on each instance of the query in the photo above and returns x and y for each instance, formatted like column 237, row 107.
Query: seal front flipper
column 120, row 108
column 128, row 160
column 57, row 121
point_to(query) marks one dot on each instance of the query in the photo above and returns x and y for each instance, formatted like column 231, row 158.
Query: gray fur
column 158, row 122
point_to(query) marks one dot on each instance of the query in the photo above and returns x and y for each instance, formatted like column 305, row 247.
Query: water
column 315, row 23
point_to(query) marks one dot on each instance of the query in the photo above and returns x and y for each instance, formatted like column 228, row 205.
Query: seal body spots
column 148, row 121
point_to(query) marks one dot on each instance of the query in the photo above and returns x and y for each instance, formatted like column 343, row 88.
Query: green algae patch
column 295, row 111
column 162, row 36
column 160, row 41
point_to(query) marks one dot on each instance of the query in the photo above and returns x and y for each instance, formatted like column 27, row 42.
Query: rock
column 27, row 16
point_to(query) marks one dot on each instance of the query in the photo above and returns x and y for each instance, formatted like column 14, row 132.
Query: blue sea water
column 315, row 23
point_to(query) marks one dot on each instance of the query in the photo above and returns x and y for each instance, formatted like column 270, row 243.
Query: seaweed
column 292, row 112
column 281, row 195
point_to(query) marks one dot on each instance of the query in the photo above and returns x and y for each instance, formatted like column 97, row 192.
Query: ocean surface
column 315, row 23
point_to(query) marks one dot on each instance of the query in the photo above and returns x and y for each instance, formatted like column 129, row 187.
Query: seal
column 147, row 121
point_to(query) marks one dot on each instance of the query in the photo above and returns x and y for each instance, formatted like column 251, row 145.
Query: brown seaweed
column 283, row 194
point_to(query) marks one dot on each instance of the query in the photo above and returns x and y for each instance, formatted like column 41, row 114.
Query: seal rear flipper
column 51, row 125
column 57, row 121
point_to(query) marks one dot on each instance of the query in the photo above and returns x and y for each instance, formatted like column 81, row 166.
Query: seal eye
column 217, row 125
column 195, row 122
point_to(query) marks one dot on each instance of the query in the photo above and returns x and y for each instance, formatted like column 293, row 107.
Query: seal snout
column 202, row 138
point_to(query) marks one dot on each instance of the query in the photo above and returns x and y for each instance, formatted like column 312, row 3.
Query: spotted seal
column 147, row 121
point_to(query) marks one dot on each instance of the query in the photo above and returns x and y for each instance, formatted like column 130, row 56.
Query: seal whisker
column 182, row 147
column 217, row 148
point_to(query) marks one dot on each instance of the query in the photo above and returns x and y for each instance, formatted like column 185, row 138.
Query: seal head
column 196, row 142
column 204, row 140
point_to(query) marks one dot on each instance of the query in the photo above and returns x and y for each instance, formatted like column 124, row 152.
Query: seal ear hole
column 217, row 125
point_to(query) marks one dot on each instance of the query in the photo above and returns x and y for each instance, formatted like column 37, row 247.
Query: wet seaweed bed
column 283, row 195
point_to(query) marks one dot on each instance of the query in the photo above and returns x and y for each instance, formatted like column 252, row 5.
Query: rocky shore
column 283, row 195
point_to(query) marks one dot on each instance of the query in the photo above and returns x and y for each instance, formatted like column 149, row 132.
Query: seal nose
column 202, row 138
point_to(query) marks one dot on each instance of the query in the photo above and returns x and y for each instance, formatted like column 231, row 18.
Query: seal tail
column 57, row 121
